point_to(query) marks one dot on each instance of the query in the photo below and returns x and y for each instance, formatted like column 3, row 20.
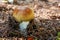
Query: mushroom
column 23, row 15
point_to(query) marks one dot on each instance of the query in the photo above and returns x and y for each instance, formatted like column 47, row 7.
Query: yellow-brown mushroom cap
column 23, row 13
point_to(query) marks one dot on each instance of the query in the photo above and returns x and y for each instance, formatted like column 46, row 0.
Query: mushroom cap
column 23, row 13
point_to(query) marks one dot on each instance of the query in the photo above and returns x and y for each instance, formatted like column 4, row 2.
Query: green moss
column 58, row 39
column 58, row 34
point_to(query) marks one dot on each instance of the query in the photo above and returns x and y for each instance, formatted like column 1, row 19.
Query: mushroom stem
column 23, row 27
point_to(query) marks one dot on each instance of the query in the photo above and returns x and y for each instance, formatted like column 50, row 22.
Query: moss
column 58, row 34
